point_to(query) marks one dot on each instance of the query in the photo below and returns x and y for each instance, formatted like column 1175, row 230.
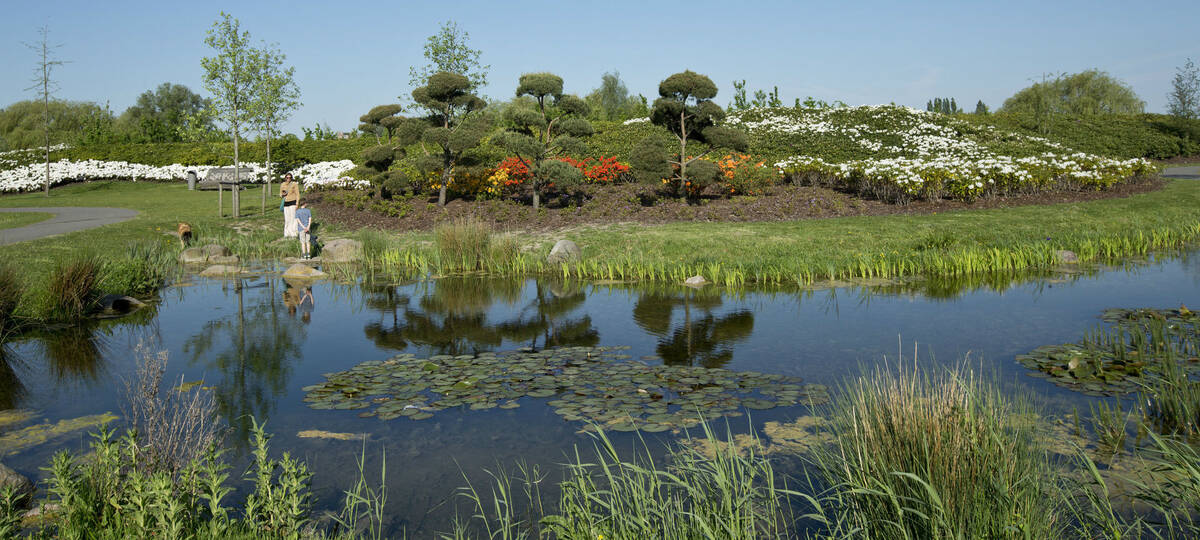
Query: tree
column 22, row 124
column 981, row 108
column 447, row 51
column 231, row 76
column 453, row 122
column 761, row 98
column 45, row 87
column 1087, row 93
column 551, row 128
column 381, row 119
column 685, row 107
column 1183, row 102
column 276, row 96
column 162, row 114
column 612, row 100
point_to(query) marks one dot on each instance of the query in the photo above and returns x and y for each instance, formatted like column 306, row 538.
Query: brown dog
column 185, row 235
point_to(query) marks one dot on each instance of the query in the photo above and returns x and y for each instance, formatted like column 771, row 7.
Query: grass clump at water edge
column 919, row 455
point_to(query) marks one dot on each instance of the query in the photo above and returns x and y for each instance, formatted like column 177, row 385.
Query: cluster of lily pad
column 1116, row 361
column 598, row 385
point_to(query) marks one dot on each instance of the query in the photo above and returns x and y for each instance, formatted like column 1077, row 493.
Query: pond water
column 259, row 345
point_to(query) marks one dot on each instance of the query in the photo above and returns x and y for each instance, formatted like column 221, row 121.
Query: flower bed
column 898, row 153
column 32, row 176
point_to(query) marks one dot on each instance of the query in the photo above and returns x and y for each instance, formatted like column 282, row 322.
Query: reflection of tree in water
column 703, row 338
column 451, row 318
column 255, row 348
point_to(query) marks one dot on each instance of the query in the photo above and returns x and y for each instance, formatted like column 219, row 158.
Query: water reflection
column 703, row 338
column 252, row 350
column 451, row 316
column 12, row 389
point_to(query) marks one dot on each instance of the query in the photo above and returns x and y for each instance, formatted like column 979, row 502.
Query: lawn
column 12, row 220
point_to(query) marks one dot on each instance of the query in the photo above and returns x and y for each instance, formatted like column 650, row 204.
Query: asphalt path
column 1191, row 172
column 65, row 220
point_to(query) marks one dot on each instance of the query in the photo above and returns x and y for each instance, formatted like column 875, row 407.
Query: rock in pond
column 564, row 251
column 215, row 250
column 341, row 250
column 696, row 281
column 303, row 271
column 1066, row 257
column 224, row 259
column 220, row 270
column 21, row 485
column 193, row 256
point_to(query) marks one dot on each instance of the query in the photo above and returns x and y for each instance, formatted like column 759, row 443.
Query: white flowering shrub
column 899, row 153
column 16, row 178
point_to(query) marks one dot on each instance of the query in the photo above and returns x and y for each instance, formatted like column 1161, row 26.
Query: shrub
column 742, row 175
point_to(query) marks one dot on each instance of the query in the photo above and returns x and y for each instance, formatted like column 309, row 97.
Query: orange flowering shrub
column 742, row 175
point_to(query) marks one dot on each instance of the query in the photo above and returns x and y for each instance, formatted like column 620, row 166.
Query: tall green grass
column 920, row 455
column 11, row 291
column 73, row 288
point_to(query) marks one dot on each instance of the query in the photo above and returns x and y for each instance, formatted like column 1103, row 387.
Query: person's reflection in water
column 307, row 303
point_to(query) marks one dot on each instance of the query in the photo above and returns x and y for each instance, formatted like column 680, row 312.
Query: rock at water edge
column 193, row 256
column 301, row 271
column 22, row 487
column 215, row 250
column 696, row 281
column 341, row 250
column 1066, row 257
column 220, row 270
column 564, row 251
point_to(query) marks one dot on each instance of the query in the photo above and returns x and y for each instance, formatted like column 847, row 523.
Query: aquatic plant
column 1140, row 345
column 589, row 384
column 932, row 455
column 177, row 424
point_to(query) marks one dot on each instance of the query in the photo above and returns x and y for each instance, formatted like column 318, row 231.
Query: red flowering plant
column 605, row 170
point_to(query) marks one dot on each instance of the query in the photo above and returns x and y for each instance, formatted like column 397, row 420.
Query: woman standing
column 290, row 191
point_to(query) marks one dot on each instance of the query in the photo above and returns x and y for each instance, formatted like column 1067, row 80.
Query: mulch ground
column 639, row 203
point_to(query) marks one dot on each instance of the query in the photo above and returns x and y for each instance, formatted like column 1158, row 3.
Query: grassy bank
column 796, row 252
column 21, row 219
column 801, row 252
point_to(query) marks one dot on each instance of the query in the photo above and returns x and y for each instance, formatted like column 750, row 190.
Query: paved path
column 65, row 220
column 1191, row 172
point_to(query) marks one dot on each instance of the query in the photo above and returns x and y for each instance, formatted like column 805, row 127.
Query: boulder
column 215, row 250
column 341, row 250
column 564, row 251
column 696, row 281
column 301, row 271
column 224, row 259
column 220, row 270
column 193, row 256
column 120, row 303
column 1066, row 257
column 24, row 488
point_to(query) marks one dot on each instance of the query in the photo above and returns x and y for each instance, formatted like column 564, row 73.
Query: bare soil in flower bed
column 639, row 203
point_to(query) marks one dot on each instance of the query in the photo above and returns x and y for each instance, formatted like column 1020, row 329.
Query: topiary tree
column 553, row 126
column 381, row 119
column 375, row 162
column 454, row 123
column 686, row 109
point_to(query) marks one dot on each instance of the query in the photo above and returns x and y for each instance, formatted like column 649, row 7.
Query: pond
column 268, row 349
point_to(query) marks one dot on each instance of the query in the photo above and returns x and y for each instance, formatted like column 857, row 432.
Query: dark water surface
column 259, row 346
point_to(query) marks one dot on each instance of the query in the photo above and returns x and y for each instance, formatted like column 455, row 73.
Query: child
column 303, row 223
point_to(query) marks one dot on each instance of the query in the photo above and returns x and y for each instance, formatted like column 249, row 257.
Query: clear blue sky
column 351, row 55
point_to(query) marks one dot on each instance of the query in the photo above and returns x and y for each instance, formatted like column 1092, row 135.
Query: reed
column 11, row 291
column 71, row 291
column 463, row 246
column 919, row 455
